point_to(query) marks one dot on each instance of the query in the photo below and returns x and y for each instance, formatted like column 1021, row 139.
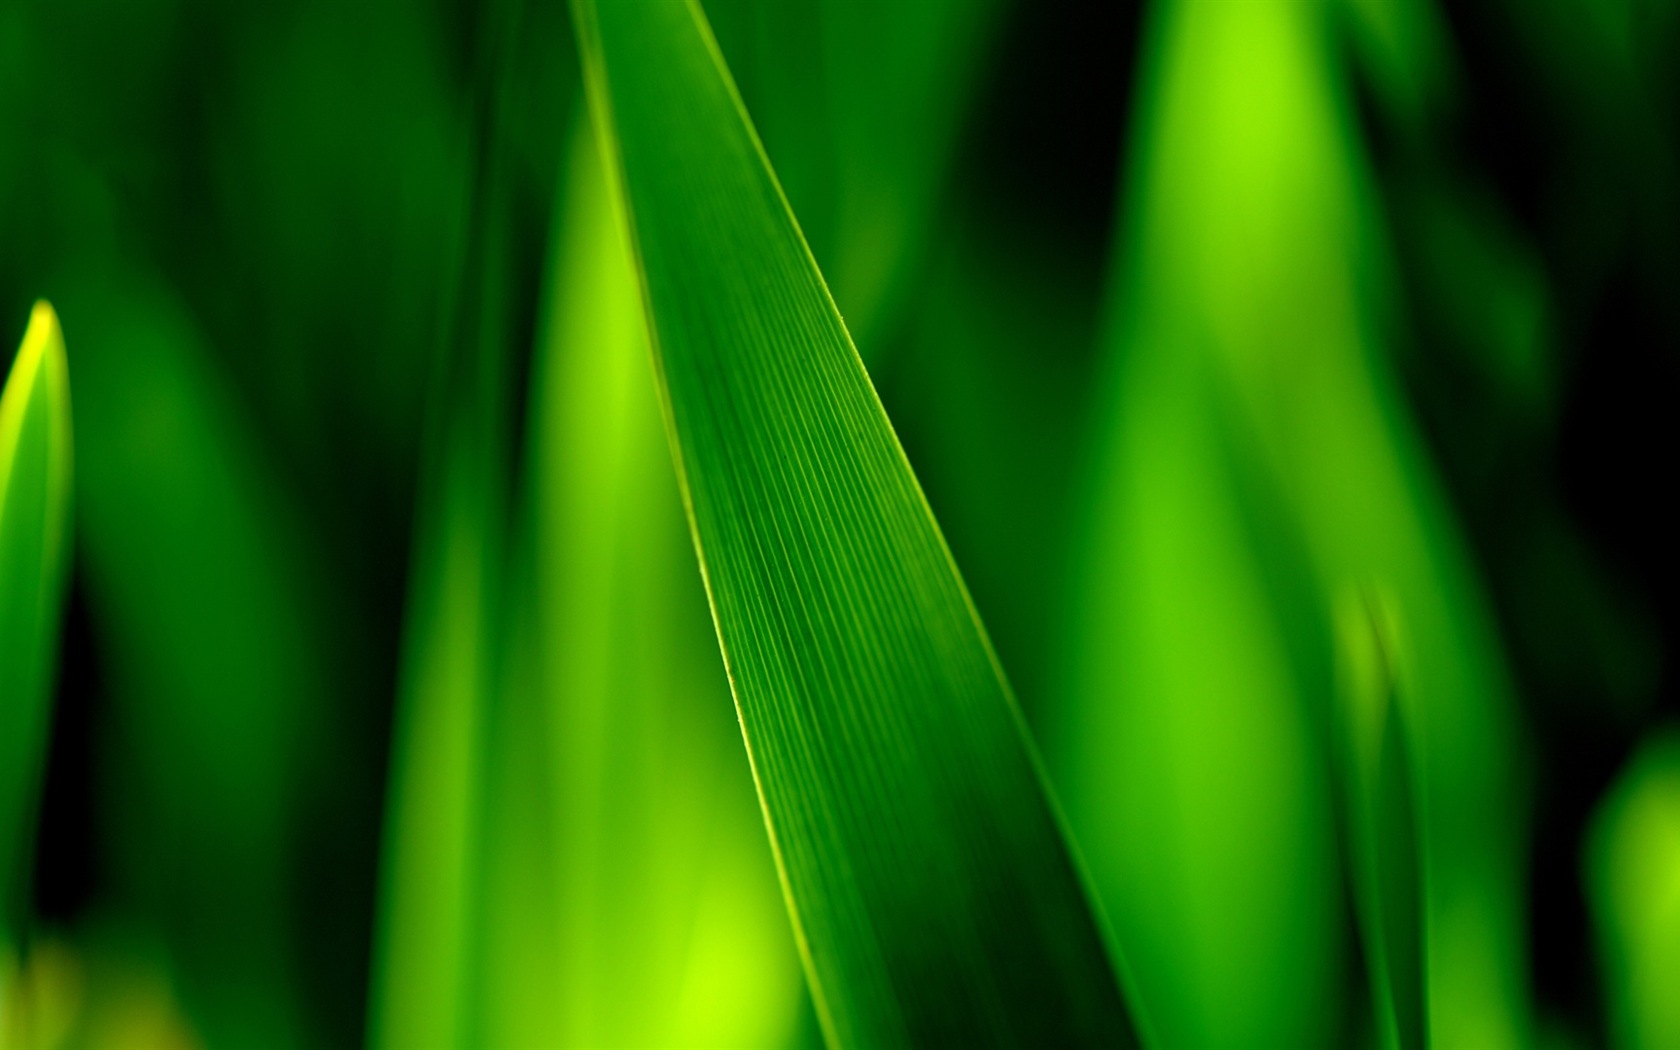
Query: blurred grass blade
column 1633, row 887
column 1183, row 745
column 427, row 924
column 1257, row 415
column 1378, row 805
column 935, row 898
column 631, row 898
column 423, row 936
column 35, row 469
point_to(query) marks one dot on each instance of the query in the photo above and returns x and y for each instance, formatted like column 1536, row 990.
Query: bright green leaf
column 1633, row 886
column 934, row 895
column 1259, row 459
column 428, row 918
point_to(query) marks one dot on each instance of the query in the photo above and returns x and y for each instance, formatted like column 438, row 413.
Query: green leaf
column 1266, row 461
column 1632, row 879
column 1182, row 745
column 429, row 867
column 426, row 925
column 630, row 895
column 934, row 895
column 35, row 465
column 1379, row 811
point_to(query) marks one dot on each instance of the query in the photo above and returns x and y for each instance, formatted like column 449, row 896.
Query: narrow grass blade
column 427, row 930
column 423, row 937
column 1374, row 760
column 35, row 472
column 1632, row 869
column 935, row 897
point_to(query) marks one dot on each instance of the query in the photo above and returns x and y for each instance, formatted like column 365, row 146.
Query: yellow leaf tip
column 42, row 340
column 43, row 314
column 39, row 370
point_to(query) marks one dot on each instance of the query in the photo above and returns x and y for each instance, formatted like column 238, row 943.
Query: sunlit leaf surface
column 933, row 894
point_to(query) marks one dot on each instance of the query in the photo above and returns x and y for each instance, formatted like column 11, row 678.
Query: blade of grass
column 1182, row 744
column 1379, row 812
column 427, row 925
column 35, row 480
column 932, row 890
column 1254, row 268
column 423, row 939
column 631, row 894
column 1632, row 879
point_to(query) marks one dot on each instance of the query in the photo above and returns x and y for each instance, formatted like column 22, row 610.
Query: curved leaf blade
column 35, row 469
column 935, row 898
column 1378, row 801
column 1631, row 873
column 1253, row 468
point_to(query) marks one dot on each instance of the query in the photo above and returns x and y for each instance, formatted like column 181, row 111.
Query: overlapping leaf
column 935, row 897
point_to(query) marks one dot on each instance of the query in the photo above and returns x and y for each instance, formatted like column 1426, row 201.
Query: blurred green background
column 1232, row 342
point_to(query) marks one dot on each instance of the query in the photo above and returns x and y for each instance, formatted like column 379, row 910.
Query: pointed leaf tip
column 34, row 497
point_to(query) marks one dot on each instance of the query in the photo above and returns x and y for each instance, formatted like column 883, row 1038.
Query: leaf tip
column 41, row 354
